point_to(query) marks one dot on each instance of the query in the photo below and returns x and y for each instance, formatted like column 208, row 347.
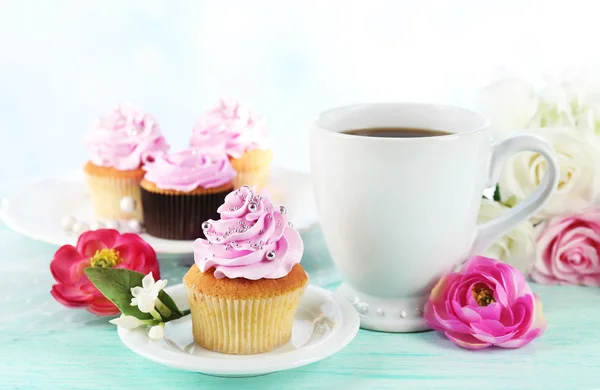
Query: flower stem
column 164, row 310
column 156, row 315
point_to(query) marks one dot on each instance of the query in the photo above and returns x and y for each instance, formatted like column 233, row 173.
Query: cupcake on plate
column 119, row 144
column 181, row 190
column 242, row 135
column 246, row 284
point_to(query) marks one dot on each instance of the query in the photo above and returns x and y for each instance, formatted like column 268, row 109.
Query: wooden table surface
column 46, row 346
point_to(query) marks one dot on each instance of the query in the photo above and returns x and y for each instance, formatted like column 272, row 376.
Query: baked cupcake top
column 230, row 127
column 125, row 139
column 252, row 240
column 189, row 169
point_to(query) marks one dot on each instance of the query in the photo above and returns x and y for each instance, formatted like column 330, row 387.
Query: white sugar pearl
column 68, row 222
column 96, row 225
column 134, row 226
column 80, row 227
column 112, row 224
column 128, row 204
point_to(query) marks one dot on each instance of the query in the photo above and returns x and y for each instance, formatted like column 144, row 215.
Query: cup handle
column 489, row 232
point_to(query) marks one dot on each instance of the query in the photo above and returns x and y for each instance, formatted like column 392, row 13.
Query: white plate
column 37, row 209
column 323, row 326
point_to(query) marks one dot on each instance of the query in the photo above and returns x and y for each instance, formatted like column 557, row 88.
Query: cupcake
column 183, row 189
column 119, row 145
column 246, row 283
column 242, row 135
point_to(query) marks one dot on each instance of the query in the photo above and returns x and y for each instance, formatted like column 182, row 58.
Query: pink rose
column 98, row 248
column 568, row 250
column 486, row 303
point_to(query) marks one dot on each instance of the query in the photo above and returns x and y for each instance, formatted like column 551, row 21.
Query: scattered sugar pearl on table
column 68, row 222
column 97, row 225
column 112, row 224
column 80, row 227
column 128, row 204
column 134, row 226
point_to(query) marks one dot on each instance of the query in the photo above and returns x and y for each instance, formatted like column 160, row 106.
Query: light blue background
column 64, row 62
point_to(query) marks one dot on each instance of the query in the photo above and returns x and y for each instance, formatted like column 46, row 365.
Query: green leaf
column 170, row 303
column 497, row 193
column 115, row 284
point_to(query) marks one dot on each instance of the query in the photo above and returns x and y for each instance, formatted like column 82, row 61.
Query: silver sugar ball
column 282, row 210
column 112, row 224
column 79, row 227
column 128, row 204
column 67, row 222
column 134, row 226
column 271, row 255
column 270, row 216
column 97, row 225
column 262, row 231
column 253, row 207
column 205, row 225
column 290, row 224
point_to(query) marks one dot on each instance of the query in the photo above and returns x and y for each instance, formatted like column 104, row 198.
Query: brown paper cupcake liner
column 179, row 216
column 243, row 327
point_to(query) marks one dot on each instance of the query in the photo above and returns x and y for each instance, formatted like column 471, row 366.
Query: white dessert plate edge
column 317, row 302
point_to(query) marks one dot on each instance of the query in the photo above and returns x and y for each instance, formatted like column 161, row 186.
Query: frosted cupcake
column 246, row 284
column 242, row 135
column 181, row 190
column 119, row 144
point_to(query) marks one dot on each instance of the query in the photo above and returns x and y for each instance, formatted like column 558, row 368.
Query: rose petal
column 63, row 264
column 466, row 341
column 71, row 295
column 101, row 306
column 93, row 240
column 465, row 313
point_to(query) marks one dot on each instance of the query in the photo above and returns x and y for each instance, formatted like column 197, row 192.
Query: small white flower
column 578, row 182
column 516, row 247
column 127, row 322
column 145, row 297
column 157, row 332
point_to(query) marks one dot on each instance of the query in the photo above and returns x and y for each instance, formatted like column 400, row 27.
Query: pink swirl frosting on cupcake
column 125, row 139
column 252, row 240
column 230, row 127
column 189, row 169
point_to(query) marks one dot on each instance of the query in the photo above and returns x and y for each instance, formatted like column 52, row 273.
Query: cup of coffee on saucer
column 398, row 188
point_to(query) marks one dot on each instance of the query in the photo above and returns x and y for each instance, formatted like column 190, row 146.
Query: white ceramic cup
column 398, row 213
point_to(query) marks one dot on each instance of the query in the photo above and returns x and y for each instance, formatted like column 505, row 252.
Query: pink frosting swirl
column 230, row 127
column 125, row 139
column 252, row 240
column 189, row 169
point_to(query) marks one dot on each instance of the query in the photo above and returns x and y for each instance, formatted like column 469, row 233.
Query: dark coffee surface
column 396, row 132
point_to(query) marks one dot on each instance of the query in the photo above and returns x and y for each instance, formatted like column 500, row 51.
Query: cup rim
column 486, row 122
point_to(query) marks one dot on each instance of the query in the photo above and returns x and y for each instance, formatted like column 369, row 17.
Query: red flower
column 98, row 248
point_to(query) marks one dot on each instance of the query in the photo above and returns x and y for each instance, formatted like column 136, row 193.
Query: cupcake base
column 240, row 316
column 175, row 215
column 108, row 186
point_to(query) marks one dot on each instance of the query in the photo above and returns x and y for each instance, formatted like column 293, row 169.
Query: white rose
column 517, row 247
column 578, row 182
column 513, row 104
column 509, row 103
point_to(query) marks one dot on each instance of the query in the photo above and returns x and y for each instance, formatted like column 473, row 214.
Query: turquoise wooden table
column 46, row 346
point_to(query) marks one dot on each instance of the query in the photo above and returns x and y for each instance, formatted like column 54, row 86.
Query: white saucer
column 37, row 209
column 323, row 326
